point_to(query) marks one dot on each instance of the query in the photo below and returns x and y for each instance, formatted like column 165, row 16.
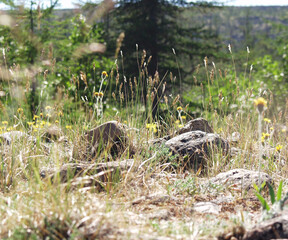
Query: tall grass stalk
column 260, row 152
column 246, row 65
column 179, row 73
column 260, row 103
column 207, row 75
column 233, row 61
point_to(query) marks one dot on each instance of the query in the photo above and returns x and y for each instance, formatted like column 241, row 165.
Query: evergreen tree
column 157, row 27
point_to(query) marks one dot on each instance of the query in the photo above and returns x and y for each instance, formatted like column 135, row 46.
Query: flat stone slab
column 242, row 179
column 207, row 207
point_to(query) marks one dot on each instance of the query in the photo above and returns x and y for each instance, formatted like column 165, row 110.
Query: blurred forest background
column 57, row 56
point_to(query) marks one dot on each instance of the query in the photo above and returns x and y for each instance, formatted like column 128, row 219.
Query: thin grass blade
column 263, row 201
column 279, row 192
column 271, row 193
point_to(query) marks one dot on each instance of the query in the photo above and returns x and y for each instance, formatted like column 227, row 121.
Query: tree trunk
column 153, row 10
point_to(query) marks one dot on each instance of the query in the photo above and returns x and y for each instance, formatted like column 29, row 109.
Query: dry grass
column 148, row 200
column 143, row 203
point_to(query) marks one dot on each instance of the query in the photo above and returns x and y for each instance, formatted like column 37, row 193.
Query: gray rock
column 240, row 178
column 235, row 137
column 207, row 207
column 155, row 199
column 198, row 124
column 196, row 146
column 159, row 141
column 275, row 228
column 235, row 151
column 160, row 214
column 9, row 137
column 88, row 174
column 112, row 131
column 52, row 133
column 110, row 136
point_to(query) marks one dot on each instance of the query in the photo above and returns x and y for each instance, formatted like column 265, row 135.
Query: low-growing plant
column 187, row 186
column 277, row 203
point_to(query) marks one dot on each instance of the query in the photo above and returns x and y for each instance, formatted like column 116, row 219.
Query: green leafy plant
column 274, row 198
column 186, row 186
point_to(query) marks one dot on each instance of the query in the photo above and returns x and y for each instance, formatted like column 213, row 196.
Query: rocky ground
column 165, row 196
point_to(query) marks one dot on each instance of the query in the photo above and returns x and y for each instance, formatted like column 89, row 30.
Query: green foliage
column 159, row 29
column 22, row 233
column 164, row 35
column 275, row 199
column 72, row 60
column 260, row 197
column 192, row 186
column 187, row 186
column 271, row 73
column 51, row 229
column 56, row 51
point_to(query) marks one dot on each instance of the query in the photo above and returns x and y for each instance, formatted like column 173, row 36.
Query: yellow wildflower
column 96, row 94
column 56, row 121
column 179, row 109
column 48, row 115
column 271, row 128
column 20, row 110
column 60, row 114
column 104, row 74
column 35, row 117
column 183, row 117
column 267, row 120
column 177, row 122
column 278, row 148
column 5, row 122
column 48, row 108
column 68, row 127
column 180, row 125
column 41, row 115
column 151, row 127
column 30, row 123
column 101, row 94
column 260, row 103
column 265, row 136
